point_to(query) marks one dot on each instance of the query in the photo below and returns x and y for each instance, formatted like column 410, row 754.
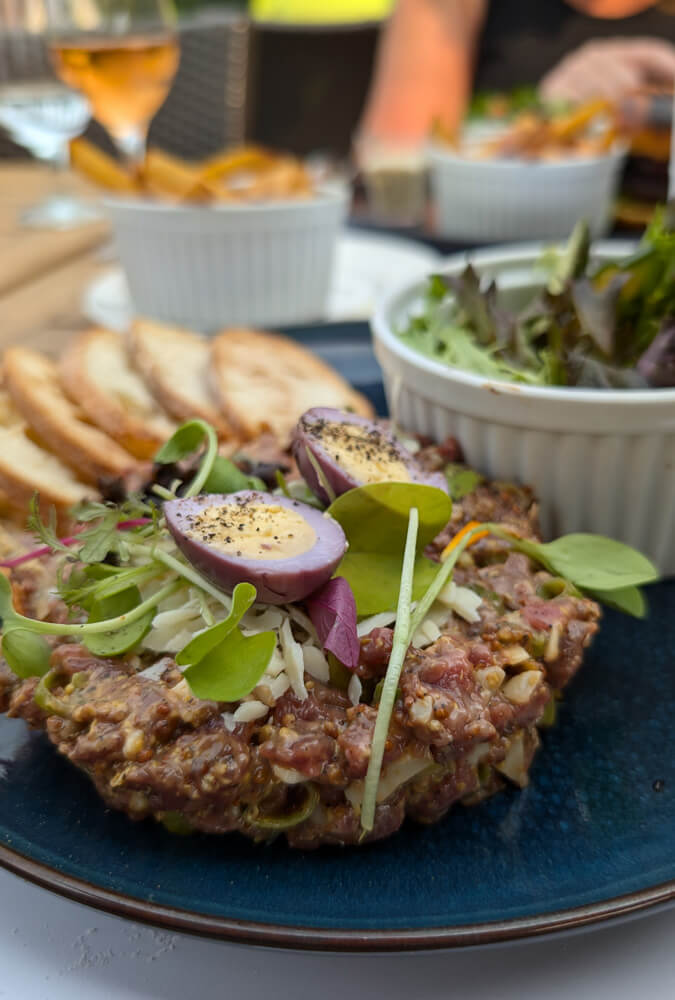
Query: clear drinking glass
column 122, row 55
column 40, row 113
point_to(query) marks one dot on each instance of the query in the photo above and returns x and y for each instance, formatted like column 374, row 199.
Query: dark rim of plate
column 329, row 939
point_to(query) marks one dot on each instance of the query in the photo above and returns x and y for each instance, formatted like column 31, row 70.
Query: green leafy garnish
column 224, row 664
column 226, row 477
column 461, row 480
column 374, row 519
column 120, row 640
column 27, row 654
column 243, row 597
column 185, row 442
column 231, row 670
column 45, row 531
column 629, row 600
column 602, row 567
column 599, row 327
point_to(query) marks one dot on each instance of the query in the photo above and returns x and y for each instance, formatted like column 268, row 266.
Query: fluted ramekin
column 484, row 201
column 600, row 460
column 210, row 266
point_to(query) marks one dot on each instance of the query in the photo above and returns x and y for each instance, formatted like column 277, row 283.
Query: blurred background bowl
column 206, row 267
column 600, row 460
column 487, row 200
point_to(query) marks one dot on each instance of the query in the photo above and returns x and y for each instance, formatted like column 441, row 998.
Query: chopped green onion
column 442, row 577
column 399, row 648
column 206, row 464
column 188, row 573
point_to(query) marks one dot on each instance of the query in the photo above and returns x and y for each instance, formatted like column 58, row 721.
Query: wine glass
column 122, row 55
column 40, row 113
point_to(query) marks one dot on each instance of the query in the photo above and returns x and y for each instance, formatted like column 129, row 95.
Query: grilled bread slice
column 265, row 382
column 26, row 469
column 97, row 376
column 175, row 365
column 33, row 383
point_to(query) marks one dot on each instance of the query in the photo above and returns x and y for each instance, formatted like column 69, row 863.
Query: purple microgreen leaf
column 332, row 609
column 657, row 364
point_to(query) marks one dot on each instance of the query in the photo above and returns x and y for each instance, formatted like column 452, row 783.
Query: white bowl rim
column 525, row 253
column 444, row 155
column 326, row 194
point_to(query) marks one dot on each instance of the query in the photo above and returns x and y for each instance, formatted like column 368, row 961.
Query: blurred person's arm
column 424, row 68
column 613, row 68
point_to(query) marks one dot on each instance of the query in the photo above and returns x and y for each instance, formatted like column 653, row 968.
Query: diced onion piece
column 552, row 651
column 516, row 762
column 462, row 600
column 490, row 677
column 391, row 778
column 421, row 709
column 478, row 753
column 288, row 775
column 354, row 689
column 513, row 655
column 519, row 689
column 292, row 653
column 229, row 721
column 316, row 663
column 248, row 711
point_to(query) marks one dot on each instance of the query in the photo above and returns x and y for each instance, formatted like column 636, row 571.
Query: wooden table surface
column 43, row 272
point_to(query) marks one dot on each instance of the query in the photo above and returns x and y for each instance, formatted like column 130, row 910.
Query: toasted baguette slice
column 26, row 469
column 265, row 382
column 96, row 374
column 32, row 381
column 175, row 365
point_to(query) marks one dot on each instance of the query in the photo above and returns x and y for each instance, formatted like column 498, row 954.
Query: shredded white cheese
column 316, row 663
column 375, row 621
column 427, row 633
column 229, row 720
column 462, row 600
column 354, row 689
column 155, row 670
column 248, row 711
column 293, row 658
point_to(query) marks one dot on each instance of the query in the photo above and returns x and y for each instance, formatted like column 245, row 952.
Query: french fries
column 167, row 176
column 100, row 168
column 588, row 130
column 247, row 173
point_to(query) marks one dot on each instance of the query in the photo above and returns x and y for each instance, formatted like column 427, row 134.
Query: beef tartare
column 185, row 698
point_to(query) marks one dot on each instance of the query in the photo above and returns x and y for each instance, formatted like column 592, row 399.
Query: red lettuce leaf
column 332, row 609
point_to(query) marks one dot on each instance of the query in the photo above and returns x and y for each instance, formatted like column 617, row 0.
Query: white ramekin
column 206, row 267
column 491, row 200
column 600, row 460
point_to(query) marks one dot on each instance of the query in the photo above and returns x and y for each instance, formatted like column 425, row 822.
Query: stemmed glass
column 39, row 112
column 122, row 55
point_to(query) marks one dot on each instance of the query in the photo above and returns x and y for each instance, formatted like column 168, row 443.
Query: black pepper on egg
column 284, row 566
column 350, row 451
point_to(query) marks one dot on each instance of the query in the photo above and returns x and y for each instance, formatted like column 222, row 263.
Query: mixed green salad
column 609, row 325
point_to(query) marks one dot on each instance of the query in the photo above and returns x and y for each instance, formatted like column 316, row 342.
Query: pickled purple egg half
column 337, row 451
column 285, row 548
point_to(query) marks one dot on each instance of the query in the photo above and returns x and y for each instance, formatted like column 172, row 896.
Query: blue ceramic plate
column 590, row 839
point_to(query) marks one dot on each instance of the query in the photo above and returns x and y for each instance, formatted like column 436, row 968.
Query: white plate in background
column 367, row 267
